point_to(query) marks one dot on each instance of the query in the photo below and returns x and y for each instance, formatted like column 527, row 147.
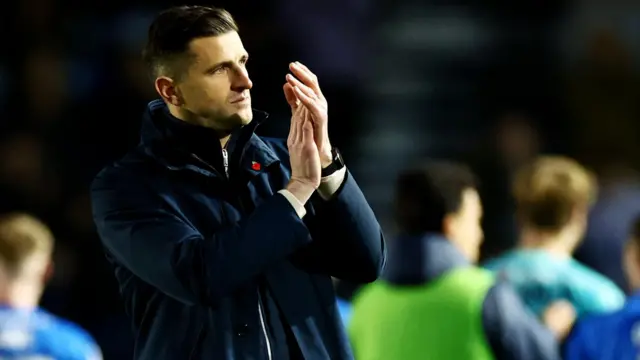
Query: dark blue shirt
column 613, row 336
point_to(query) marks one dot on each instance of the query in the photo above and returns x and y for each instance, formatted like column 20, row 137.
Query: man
column 432, row 303
column 223, row 242
column 26, row 331
column 616, row 207
column 614, row 335
column 553, row 196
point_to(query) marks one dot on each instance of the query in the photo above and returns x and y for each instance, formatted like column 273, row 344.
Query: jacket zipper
column 264, row 327
column 225, row 162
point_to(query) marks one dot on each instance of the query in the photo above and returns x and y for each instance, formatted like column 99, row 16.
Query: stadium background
column 492, row 83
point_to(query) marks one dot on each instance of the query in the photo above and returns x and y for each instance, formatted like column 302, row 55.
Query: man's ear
column 448, row 226
column 166, row 88
column 48, row 273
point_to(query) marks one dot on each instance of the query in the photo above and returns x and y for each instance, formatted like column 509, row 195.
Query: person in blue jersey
column 27, row 331
column 553, row 196
column 615, row 335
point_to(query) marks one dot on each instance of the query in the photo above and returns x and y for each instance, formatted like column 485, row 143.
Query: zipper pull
column 225, row 162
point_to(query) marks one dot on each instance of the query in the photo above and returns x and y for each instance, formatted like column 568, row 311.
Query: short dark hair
column 173, row 29
column 427, row 193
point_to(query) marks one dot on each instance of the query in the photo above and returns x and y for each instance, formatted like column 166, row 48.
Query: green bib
column 441, row 320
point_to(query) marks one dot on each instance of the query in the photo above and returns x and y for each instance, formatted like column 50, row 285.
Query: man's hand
column 303, row 153
column 303, row 91
column 559, row 318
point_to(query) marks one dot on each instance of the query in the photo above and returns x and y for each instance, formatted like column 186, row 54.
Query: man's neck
column 20, row 295
column 181, row 115
column 224, row 141
column 559, row 244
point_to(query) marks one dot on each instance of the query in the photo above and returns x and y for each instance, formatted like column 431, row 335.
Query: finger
column 314, row 78
column 310, row 73
column 308, row 102
column 306, row 76
column 295, row 82
column 290, row 95
column 305, row 69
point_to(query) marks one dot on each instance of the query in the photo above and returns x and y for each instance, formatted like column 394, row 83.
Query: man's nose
column 241, row 80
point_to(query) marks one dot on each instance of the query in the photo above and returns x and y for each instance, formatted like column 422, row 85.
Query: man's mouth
column 240, row 99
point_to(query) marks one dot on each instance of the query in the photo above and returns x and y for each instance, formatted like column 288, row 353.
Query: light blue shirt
column 541, row 278
column 27, row 334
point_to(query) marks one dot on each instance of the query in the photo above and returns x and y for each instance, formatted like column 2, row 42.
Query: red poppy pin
column 255, row 166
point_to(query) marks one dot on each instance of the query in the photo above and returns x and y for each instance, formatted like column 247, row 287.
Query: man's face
column 464, row 227
column 631, row 262
column 215, row 88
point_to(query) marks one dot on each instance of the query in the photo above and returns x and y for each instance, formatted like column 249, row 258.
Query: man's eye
column 218, row 70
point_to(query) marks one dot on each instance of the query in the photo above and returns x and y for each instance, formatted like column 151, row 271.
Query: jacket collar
column 182, row 146
column 414, row 260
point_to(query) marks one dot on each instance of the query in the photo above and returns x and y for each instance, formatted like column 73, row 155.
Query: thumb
column 290, row 95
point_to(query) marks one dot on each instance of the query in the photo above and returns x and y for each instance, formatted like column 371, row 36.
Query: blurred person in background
column 432, row 302
column 223, row 242
column 514, row 141
column 23, row 170
column 26, row 331
column 610, row 221
column 553, row 196
column 616, row 335
column 604, row 106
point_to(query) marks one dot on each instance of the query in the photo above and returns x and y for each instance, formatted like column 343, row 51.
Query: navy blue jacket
column 512, row 332
column 195, row 251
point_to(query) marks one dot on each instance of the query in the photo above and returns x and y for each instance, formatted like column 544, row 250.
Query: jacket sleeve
column 142, row 232
column 347, row 240
column 512, row 332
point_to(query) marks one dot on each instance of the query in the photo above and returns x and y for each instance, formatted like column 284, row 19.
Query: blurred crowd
column 494, row 85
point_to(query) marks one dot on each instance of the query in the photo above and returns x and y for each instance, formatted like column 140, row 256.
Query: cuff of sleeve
column 297, row 205
column 330, row 184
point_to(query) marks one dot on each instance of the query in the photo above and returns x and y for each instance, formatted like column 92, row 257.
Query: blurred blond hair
column 549, row 190
column 23, row 238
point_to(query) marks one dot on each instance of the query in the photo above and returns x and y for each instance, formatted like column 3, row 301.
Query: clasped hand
column 308, row 141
